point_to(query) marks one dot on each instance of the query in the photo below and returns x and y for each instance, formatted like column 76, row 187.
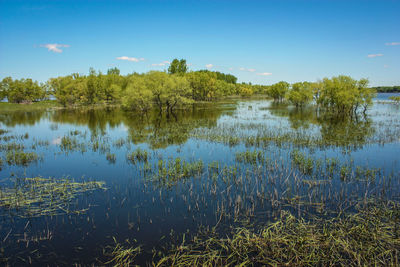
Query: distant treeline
column 179, row 87
column 387, row 89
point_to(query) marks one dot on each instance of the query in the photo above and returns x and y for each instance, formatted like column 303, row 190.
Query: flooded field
column 233, row 182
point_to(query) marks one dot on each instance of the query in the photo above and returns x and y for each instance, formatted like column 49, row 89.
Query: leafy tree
column 23, row 90
column 300, row 94
column 177, row 67
column 203, row 85
column 245, row 91
column 137, row 95
column 342, row 94
column 229, row 78
column 278, row 91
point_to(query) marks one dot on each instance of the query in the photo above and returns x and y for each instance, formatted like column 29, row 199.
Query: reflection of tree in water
column 339, row 131
column 158, row 130
column 13, row 118
column 162, row 130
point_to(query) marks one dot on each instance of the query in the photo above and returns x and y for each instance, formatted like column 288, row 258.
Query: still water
column 166, row 175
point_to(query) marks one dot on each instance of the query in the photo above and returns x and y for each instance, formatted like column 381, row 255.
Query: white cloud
column 375, row 55
column 230, row 68
column 133, row 59
column 386, row 66
column 250, row 70
column 264, row 73
column 393, row 43
column 209, row 66
column 54, row 47
column 161, row 64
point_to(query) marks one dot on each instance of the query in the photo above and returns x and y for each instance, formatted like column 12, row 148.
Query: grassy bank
column 47, row 104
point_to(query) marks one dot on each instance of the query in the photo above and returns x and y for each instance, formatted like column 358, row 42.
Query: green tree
column 137, row 95
column 203, row 85
column 278, row 91
column 23, row 90
column 178, row 67
column 300, row 94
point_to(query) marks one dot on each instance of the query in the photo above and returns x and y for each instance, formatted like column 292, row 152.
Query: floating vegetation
column 250, row 157
column 122, row 256
column 34, row 197
column 369, row 237
column 71, row 144
column 111, row 158
column 138, row 155
column 19, row 157
column 174, row 170
column 304, row 163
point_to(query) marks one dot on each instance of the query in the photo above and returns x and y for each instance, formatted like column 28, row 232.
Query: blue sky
column 258, row 41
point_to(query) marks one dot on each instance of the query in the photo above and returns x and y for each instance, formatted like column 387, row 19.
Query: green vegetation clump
column 396, row 99
column 23, row 90
column 304, row 163
column 34, row 197
column 175, row 170
column 387, row 89
column 250, row 157
column 19, row 157
column 369, row 237
column 138, row 155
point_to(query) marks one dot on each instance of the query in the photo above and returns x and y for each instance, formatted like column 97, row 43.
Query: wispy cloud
column 264, row 73
column 56, row 48
column 161, row 64
column 393, row 43
column 375, row 55
column 209, row 66
column 132, row 59
column 250, row 70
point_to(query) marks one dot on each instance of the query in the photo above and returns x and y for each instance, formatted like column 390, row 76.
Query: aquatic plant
column 369, row 237
column 19, row 157
column 138, row 155
column 34, row 197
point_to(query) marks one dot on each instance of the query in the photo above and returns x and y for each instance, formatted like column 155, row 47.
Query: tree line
column 179, row 87
column 387, row 89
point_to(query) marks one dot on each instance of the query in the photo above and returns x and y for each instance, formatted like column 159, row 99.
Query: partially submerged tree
column 300, row 94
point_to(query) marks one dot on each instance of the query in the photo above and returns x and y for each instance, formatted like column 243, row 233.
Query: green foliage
column 228, row 78
column 387, row 89
column 396, row 99
column 245, row 91
column 178, row 67
column 300, row 94
column 342, row 94
column 203, row 85
column 278, row 91
column 23, row 90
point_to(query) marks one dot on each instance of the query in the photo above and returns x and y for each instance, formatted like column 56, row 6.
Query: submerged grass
column 19, row 157
column 34, row 197
column 369, row 237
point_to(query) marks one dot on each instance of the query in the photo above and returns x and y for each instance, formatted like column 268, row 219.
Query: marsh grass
column 19, row 157
column 122, row 256
column 35, row 197
column 370, row 236
column 172, row 171
column 139, row 155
